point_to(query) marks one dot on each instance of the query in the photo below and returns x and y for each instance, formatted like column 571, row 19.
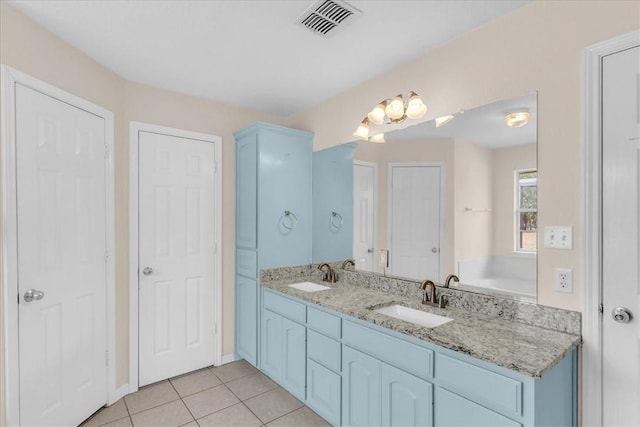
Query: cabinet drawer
column 247, row 263
column 285, row 307
column 404, row 355
column 323, row 392
column 453, row 410
column 323, row 350
column 324, row 322
column 473, row 382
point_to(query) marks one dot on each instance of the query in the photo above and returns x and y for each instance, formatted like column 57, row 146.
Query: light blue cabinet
column 333, row 203
column 360, row 389
column 359, row 374
column 406, row 399
column 273, row 176
column 456, row 411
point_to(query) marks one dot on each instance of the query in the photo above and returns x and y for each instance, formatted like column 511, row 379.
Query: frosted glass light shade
column 395, row 108
column 379, row 138
column 415, row 106
column 517, row 119
column 376, row 116
column 441, row 121
column 363, row 130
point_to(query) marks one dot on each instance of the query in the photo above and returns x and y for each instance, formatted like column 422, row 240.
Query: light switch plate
column 558, row 237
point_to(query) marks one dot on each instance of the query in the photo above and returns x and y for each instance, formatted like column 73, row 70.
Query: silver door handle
column 147, row 271
column 621, row 315
column 33, row 295
column 370, row 251
column 435, row 250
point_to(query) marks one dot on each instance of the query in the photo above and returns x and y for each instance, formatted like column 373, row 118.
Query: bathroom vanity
column 355, row 366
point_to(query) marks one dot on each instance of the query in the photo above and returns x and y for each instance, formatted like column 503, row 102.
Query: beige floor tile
column 194, row 382
column 273, row 404
column 191, row 424
column 105, row 415
column 236, row 415
column 151, row 396
column 123, row 422
column 210, row 401
column 251, row 385
column 172, row 414
column 234, row 370
column 303, row 417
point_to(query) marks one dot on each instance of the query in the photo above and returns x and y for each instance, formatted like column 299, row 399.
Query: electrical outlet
column 564, row 280
column 558, row 237
column 384, row 258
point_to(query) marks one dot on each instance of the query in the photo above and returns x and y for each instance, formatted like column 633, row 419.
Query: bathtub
column 507, row 276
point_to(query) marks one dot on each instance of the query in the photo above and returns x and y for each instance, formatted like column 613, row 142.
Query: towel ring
column 293, row 220
column 335, row 221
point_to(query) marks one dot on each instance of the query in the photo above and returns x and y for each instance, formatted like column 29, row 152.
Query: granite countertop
column 522, row 348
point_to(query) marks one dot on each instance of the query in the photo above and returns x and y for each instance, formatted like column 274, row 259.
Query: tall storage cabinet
column 273, row 216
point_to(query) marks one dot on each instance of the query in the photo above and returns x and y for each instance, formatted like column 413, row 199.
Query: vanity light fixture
column 391, row 111
column 379, row 138
column 441, row 121
column 517, row 119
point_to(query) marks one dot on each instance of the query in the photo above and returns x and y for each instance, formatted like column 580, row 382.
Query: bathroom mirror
column 458, row 197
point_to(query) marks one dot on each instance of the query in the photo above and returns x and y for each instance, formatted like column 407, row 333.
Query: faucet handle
column 444, row 299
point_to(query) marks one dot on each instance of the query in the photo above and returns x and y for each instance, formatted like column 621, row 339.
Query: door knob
column 370, row 251
column 33, row 295
column 147, row 271
column 435, row 250
column 621, row 315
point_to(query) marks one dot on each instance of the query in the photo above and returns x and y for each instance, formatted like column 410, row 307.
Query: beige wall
column 433, row 150
column 474, row 190
column 31, row 49
column 536, row 48
column 505, row 161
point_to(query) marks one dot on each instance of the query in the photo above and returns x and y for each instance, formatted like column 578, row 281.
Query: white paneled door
column 363, row 215
column 177, row 245
column 621, row 237
column 415, row 221
column 61, row 228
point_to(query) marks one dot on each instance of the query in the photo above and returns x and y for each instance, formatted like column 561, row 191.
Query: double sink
column 417, row 317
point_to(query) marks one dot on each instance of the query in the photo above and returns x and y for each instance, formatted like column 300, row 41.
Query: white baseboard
column 228, row 358
column 120, row 392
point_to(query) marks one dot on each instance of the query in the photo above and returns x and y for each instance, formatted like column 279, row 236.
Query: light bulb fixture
column 391, row 111
column 395, row 108
column 376, row 116
column 415, row 106
column 363, row 130
column 379, row 138
column 517, row 119
column 441, row 121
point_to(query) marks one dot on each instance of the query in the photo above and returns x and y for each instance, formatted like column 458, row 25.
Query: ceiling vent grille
column 326, row 17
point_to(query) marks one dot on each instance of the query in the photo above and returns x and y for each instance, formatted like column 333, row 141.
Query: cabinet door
column 323, row 392
column 360, row 389
column 246, row 319
column 406, row 399
column 293, row 362
column 455, row 411
column 246, row 192
column 272, row 345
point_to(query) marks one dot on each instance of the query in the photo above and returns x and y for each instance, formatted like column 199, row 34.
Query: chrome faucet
column 450, row 278
column 329, row 275
column 348, row 262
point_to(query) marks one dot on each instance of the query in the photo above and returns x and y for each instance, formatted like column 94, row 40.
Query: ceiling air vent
column 326, row 17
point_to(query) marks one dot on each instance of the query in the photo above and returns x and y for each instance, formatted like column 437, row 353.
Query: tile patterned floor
column 235, row 394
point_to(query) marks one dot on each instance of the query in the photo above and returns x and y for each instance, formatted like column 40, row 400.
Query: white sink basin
column 309, row 287
column 418, row 317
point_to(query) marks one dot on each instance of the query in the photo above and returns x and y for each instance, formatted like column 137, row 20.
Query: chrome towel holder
column 292, row 222
column 335, row 221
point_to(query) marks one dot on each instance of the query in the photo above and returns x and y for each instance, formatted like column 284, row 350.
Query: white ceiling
column 481, row 125
column 251, row 54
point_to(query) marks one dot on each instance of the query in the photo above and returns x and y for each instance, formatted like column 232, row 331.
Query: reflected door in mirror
column 364, row 215
column 415, row 197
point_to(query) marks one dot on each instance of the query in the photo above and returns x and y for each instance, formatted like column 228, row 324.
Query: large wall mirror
column 460, row 197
